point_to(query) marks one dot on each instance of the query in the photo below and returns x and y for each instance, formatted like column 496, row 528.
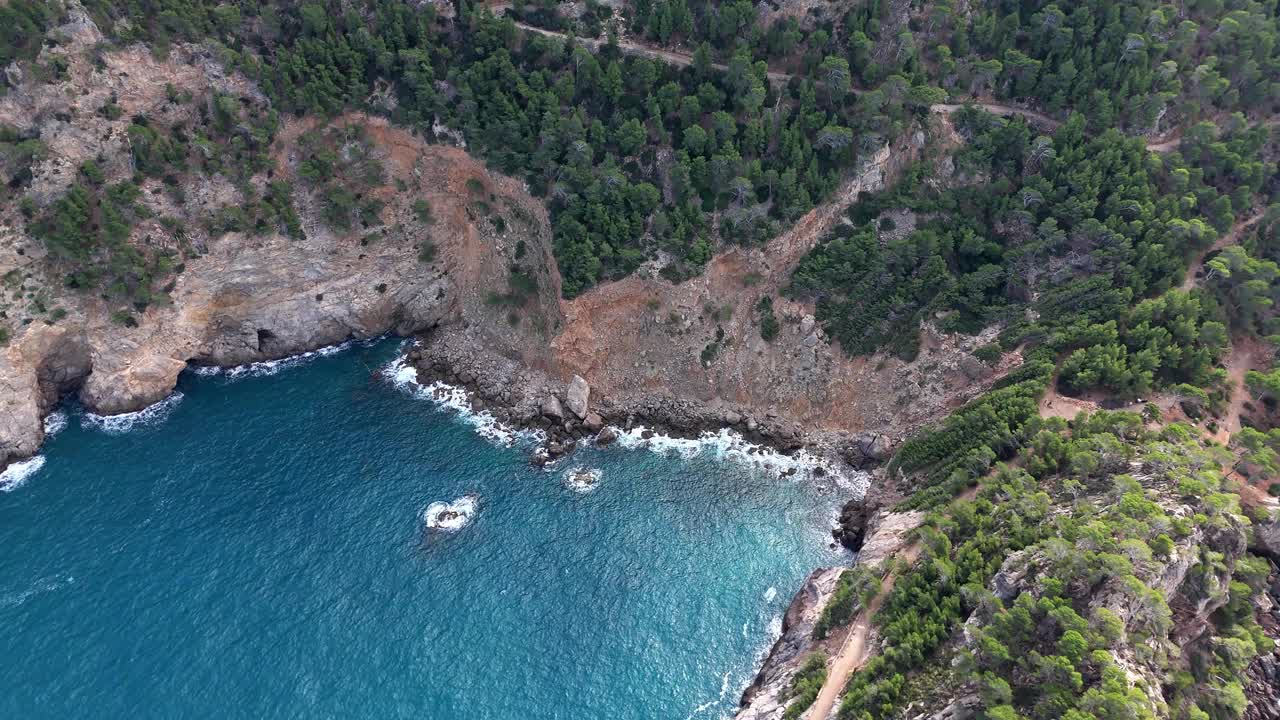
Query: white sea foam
column 452, row 516
column 773, row 631
column 405, row 376
column 271, row 367
column 582, row 480
column 124, row 422
column 726, row 444
column 54, row 423
column 42, row 585
column 17, row 473
column 724, row 690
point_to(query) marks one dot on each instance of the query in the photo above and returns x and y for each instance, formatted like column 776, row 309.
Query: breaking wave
column 271, row 367
column 124, row 422
column 16, row 475
column 405, row 376
column 582, row 480
column 450, row 517
column 54, row 423
column 727, row 444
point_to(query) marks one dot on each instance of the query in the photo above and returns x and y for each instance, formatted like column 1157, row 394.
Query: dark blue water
column 257, row 550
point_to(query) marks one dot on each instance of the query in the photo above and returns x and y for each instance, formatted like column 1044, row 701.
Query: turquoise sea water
column 256, row 548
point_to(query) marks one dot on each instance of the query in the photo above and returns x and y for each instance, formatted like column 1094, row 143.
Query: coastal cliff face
column 690, row 357
column 478, row 271
column 241, row 296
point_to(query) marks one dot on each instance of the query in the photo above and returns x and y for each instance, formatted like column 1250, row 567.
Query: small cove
column 256, row 547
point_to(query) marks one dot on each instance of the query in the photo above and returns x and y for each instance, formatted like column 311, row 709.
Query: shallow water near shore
column 257, row 547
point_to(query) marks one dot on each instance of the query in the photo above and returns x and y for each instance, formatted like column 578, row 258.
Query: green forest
column 1117, row 232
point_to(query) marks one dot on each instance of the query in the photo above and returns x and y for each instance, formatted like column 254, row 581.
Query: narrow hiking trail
column 1041, row 119
column 854, row 651
column 1231, row 237
column 1238, row 365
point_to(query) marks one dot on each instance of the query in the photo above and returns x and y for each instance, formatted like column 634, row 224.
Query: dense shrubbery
column 806, row 685
column 23, row 24
column 1046, row 653
column 1142, row 65
column 87, row 230
column 854, row 590
column 1072, row 227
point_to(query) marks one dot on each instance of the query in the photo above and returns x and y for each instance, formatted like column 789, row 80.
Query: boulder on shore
column 551, row 408
column 578, row 396
column 852, row 528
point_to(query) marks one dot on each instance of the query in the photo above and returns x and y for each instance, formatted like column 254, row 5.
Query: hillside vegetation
column 1102, row 213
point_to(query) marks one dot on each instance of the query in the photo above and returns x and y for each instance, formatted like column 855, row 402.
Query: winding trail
column 854, row 651
column 1032, row 116
column 1231, row 237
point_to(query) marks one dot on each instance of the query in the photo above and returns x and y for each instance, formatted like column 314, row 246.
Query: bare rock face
column 890, row 534
column 578, row 396
column 1266, row 537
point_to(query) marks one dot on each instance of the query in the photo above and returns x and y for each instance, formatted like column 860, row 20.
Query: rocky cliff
column 479, row 271
column 236, row 297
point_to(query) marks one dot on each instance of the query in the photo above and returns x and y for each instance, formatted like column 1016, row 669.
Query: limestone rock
column 593, row 422
column 769, row 694
column 890, row 534
column 1266, row 537
column 578, row 396
column 551, row 408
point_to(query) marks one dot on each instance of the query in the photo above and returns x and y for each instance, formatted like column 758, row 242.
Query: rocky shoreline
column 566, row 413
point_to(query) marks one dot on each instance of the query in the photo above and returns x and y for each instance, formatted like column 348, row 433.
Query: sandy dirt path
column 1239, row 363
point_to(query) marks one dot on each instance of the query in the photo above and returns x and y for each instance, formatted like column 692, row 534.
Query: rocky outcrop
column 1266, row 536
column 851, row 528
column 889, row 533
column 768, row 695
column 239, row 298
